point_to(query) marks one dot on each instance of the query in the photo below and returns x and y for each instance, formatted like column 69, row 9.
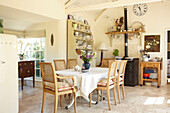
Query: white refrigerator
column 8, row 74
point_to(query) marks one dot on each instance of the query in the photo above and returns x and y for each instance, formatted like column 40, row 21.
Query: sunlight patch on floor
column 154, row 100
column 168, row 101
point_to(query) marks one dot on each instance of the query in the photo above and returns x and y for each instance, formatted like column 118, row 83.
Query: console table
column 157, row 65
column 26, row 69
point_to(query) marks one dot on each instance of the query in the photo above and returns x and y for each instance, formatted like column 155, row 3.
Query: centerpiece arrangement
column 87, row 57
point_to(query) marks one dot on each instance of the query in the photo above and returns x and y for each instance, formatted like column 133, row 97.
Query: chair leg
column 90, row 99
column 118, row 92
column 43, row 102
column 60, row 100
column 114, row 95
column 98, row 95
column 56, row 103
column 101, row 95
column 75, row 102
column 69, row 95
column 108, row 99
column 123, row 91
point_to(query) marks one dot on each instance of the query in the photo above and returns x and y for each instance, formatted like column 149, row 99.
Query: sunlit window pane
column 33, row 49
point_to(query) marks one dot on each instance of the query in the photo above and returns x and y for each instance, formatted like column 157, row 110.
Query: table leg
column 78, row 95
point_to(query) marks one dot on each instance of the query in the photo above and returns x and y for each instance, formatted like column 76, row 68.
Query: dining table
column 85, row 82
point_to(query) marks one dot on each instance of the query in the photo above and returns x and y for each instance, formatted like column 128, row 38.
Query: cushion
column 120, row 79
column 103, row 82
column 62, row 86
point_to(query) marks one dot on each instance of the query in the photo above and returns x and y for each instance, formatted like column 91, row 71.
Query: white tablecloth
column 86, row 82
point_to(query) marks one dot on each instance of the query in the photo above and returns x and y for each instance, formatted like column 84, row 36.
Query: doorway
column 168, row 57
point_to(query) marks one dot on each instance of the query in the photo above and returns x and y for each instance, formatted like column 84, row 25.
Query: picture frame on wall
column 1, row 25
column 152, row 43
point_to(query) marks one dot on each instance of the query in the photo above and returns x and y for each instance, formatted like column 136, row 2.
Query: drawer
column 25, row 64
column 150, row 65
column 26, row 71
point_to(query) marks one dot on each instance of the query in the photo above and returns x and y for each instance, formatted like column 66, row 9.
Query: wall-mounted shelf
column 83, row 32
column 124, row 32
column 81, row 23
column 115, row 34
column 86, row 49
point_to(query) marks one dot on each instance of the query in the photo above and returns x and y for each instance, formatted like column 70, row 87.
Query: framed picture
column 1, row 25
column 86, row 22
column 152, row 43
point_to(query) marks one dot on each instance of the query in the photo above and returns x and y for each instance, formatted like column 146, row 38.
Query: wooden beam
column 103, row 11
column 119, row 3
column 69, row 3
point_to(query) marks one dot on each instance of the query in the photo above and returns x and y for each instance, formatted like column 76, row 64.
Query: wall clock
column 140, row 9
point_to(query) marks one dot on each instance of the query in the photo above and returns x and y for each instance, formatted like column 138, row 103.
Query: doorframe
column 165, row 56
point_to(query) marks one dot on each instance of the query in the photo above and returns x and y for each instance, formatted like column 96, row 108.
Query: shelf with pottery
column 84, row 44
column 80, row 23
column 79, row 38
column 124, row 32
column 89, row 33
column 117, row 34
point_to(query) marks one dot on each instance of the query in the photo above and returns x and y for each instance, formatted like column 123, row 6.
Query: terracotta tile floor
column 138, row 100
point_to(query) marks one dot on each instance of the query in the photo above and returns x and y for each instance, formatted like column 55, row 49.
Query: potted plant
column 22, row 52
column 116, row 53
column 87, row 57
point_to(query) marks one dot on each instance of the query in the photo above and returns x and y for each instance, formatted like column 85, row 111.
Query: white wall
column 53, row 9
column 156, row 21
column 58, row 50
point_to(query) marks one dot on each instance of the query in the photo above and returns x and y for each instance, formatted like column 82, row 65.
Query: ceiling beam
column 119, row 3
column 98, row 16
column 69, row 3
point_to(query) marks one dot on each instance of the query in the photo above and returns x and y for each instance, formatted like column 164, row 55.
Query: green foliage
column 116, row 52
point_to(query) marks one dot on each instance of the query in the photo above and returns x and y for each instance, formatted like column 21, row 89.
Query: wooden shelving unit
column 156, row 65
column 81, row 23
column 124, row 32
column 78, row 38
column 150, row 79
column 83, row 32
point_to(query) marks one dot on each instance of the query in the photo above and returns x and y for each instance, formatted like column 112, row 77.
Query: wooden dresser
column 26, row 69
column 157, row 65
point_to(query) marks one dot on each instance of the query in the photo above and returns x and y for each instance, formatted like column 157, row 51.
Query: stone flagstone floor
column 138, row 99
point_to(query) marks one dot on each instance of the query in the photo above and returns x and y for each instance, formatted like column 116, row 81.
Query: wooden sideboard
column 26, row 69
column 157, row 65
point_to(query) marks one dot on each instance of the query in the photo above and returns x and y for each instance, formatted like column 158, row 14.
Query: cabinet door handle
column 2, row 62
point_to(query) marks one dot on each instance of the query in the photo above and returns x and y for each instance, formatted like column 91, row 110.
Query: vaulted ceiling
column 20, row 20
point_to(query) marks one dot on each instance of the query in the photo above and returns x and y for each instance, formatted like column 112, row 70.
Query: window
column 33, row 49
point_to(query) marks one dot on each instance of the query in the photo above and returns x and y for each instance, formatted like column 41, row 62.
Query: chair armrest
column 67, row 78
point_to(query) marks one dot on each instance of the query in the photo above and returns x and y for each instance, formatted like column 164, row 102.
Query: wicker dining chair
column 106, row 62
column 52, row 86
column 72, row 63
column 108, row 83
column 60, row 65
column 120, row 78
